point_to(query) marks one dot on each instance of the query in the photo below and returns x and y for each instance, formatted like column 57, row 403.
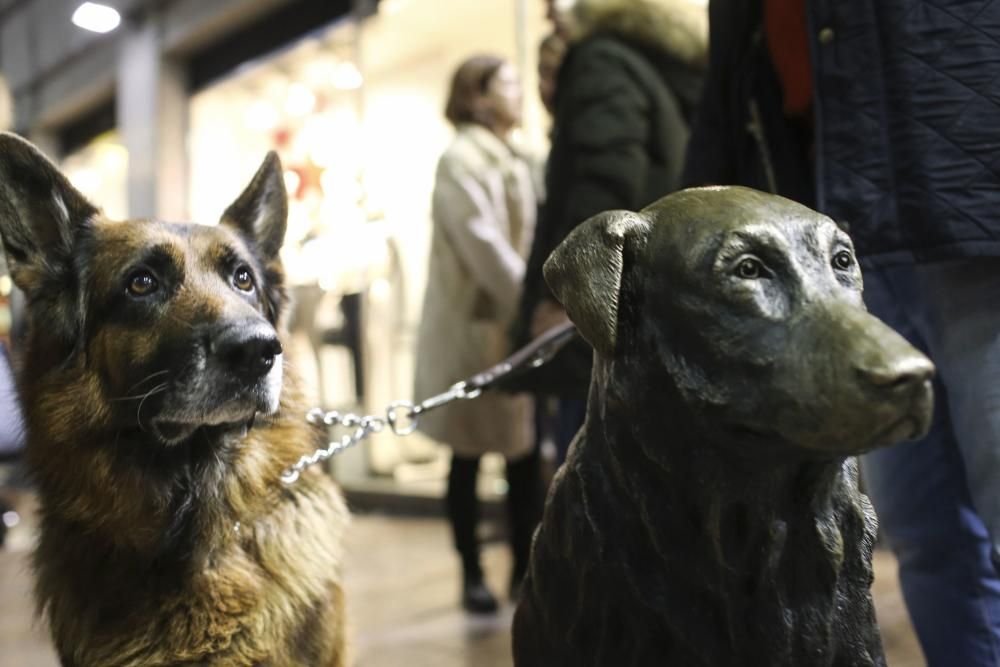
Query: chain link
column 363, row 427
column 402, row 417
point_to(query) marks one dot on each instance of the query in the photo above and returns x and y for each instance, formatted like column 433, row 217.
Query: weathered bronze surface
column 709, row 511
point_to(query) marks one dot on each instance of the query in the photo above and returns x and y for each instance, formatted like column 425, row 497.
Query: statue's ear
column 261, row 212
column 585, row 273
column 41, row 215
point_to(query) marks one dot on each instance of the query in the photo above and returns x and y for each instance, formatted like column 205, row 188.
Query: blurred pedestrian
column 484, row 214
column 551, row 51
column 624, row 97
column 883, row 116
column 12, row 439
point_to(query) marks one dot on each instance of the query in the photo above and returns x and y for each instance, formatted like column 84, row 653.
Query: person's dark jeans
column 938, row 499
column 11, row 424
column 570, row 415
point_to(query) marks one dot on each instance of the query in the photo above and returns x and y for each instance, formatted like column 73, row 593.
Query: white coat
column 483, row 211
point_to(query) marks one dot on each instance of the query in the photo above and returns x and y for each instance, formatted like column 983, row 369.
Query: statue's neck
column 737, row 507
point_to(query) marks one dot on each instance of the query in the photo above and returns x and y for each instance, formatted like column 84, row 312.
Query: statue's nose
column 897, row 374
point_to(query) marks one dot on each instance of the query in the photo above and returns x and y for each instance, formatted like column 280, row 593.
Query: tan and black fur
column 160, row 415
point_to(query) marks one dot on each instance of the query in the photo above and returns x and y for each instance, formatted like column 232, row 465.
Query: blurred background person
column 623, row 100
column 551, row 52
column 11, row 426
column 881, row 115
column 483, row 211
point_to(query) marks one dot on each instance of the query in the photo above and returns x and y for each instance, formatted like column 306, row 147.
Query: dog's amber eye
column 142, row 283
column 750, row 268
column 243, row 279
column 843, row 260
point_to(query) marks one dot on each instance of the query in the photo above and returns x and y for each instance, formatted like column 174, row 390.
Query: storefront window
column 356, row 115
column 100, row 171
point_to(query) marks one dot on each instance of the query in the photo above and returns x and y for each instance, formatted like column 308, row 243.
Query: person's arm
column 463, row 209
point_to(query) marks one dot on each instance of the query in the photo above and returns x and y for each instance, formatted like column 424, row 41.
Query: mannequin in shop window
column 484, row 208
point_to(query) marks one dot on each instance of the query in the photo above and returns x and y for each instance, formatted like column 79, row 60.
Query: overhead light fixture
column 96, row 17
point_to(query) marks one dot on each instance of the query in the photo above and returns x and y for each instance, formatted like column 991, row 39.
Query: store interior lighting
column 292, row 182
column 299, row 100
column 96, row 17
column 85, row 179
column 346, row 76
column 261, row 116
column 391, row 6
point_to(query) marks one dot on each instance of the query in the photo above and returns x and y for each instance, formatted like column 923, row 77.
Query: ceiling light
column 96, row 18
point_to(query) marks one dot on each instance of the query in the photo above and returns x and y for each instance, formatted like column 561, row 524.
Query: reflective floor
column 402, row 588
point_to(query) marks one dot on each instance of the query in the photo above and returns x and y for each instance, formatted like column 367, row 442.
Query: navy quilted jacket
column 907, row 122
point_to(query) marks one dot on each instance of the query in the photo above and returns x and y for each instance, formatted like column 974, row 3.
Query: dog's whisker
column 138, row 411
column 148, row 378
column 143, row 395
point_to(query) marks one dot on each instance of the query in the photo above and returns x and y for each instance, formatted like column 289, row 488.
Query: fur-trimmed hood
column 679, row 27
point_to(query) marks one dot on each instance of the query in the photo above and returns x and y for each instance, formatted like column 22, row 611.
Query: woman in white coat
column 484, row 214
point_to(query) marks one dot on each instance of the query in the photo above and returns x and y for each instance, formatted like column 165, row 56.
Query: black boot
column 476, row 597
column 463, row 511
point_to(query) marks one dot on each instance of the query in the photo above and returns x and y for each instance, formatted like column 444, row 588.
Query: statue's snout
column 890, row 372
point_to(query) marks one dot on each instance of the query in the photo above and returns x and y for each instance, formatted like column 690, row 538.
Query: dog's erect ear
column 40, row 213
column 261, row 212
column 585, row 273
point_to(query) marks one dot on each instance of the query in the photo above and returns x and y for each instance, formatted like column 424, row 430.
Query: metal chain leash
column 402, row 417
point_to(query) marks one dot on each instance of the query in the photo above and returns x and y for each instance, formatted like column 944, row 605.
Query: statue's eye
column 142, row 283
column 243, row 279
column 843, row 260
column 750, row 268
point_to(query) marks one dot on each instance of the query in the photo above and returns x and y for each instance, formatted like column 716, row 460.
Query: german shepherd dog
column 160, row 415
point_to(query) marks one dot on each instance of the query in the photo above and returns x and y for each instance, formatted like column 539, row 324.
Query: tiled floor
column 402, row 589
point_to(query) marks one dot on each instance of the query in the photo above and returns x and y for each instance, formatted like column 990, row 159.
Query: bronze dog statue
column 709, row 511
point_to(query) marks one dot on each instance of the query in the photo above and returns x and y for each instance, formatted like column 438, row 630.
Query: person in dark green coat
column 624, row 98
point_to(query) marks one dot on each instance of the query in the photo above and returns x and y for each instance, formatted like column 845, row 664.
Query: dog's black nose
column 900, row 373
column 247, row 352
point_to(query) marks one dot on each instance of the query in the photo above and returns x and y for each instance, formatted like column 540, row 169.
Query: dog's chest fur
column 235, row 570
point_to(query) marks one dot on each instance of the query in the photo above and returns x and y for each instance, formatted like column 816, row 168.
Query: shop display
column 355, row 111
column 709, row 511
